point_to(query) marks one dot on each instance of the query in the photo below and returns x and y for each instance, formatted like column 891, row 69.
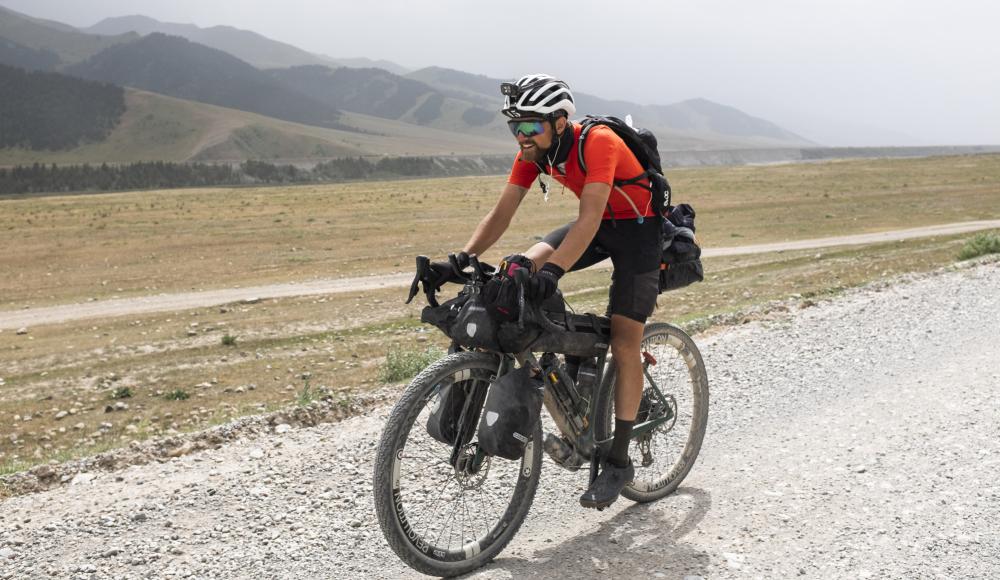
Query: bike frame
column 586, row 441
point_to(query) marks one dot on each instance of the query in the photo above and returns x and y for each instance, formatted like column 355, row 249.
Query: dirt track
column 187, row 300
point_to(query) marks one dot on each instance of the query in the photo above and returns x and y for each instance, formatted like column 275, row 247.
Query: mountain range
column 255, row 97
column 256, row 49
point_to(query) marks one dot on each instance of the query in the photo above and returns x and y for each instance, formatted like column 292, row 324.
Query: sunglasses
column 526, row 128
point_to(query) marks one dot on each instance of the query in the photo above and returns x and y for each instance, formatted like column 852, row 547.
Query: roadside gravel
column 856, row 438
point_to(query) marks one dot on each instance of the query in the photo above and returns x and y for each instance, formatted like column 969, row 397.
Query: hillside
column 14, row 54
column 174, row 66
column 41, row 110
column 253, row 48
column 256, row 49
column 161, row 128
column 69, row 44
column 462, row 105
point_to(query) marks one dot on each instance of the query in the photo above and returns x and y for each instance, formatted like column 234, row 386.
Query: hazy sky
column 838, row 72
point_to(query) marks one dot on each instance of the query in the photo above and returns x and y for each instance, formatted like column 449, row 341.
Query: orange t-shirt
column 608, row 159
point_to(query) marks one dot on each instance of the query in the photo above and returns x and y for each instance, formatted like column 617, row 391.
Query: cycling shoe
column 609, row 483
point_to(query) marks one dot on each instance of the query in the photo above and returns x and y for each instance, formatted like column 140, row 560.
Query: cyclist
column 613, row 221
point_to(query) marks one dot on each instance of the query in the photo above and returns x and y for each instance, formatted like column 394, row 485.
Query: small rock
column 860, row 469
column 82, row 479
column 259, row 491
column 734, row 561
column 22, row 330
column 120, row 406
column 282, row 428
column 182, row 450
column 256, row 454
column 139, row 517
column 7, row 554
column 43, row 471
column 61, row 415
column 79, row 426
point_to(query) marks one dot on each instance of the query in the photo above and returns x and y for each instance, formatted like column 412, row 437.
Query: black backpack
column 642, row 143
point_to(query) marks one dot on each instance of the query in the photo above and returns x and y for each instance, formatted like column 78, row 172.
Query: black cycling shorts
column 635, row 253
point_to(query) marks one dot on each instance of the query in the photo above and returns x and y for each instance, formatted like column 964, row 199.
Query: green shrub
column 306, row 395
column 228, row 340
column 177, row 395
column 122, row 393
column 980, row 245
column 401, row 364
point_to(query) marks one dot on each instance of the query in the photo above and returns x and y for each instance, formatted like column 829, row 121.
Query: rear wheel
column 662, row 457
column 441, row 519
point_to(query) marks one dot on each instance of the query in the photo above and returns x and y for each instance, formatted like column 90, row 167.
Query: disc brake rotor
column 472, row 467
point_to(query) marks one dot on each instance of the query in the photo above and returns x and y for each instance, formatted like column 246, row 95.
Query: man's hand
column 442, row 272
column 543, row 283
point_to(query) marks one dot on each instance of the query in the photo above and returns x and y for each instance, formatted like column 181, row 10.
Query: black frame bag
column 512, row 410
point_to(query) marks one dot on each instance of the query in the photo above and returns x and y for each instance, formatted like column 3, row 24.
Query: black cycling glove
column 543, row 283
column 442, row 272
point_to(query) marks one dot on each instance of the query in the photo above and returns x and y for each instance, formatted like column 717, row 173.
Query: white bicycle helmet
column 536, row 95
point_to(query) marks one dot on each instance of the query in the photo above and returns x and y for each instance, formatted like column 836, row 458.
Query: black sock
column 619, row 446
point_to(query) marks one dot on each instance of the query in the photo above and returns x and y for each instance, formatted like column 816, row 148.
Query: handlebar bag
column 511, row 412
column 474, row 327
column 465, row 320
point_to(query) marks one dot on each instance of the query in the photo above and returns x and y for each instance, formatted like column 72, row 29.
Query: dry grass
column 291, row 350
column 63, row 249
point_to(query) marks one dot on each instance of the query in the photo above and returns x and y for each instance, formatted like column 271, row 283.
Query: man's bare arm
column 593, row 200
column 497, row 221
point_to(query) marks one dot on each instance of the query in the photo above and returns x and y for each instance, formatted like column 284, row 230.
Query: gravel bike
column 449, row 509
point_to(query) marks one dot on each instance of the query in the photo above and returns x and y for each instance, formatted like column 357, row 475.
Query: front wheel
column 663, row 457
column 443, row 519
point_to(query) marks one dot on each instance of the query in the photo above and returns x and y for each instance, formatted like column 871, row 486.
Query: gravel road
column 13, row 319
column 856, row 438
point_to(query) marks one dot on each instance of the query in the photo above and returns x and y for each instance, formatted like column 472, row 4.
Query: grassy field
column 161, row 128
column 62, row 249
column 84, row 386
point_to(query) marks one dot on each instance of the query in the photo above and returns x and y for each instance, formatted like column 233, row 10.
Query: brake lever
column 423, row 264
column 453, row 260
column 482, row 271
column 521, row 276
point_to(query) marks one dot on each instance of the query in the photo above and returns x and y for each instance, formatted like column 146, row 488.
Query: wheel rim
column 446, row 513
column 663, row 454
